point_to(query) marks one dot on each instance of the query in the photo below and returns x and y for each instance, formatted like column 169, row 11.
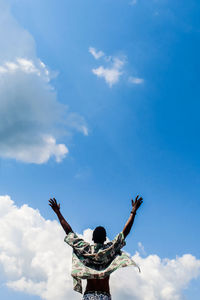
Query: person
column 97, row 261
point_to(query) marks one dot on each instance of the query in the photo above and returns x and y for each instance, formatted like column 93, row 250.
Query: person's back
column 98, row 285
column 96, row 262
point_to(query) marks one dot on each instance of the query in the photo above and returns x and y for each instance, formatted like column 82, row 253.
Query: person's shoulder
column 71, row 235
column 119, row 236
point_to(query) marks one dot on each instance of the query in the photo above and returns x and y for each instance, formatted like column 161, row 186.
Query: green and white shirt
column 96, row 261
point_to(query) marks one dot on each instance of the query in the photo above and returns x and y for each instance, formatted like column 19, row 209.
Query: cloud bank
column 31, row 117
column 34, row 259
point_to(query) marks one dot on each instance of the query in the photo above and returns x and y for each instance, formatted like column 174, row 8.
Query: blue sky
column 138, row 134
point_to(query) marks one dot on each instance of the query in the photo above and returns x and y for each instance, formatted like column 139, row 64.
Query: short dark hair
column 99, row 235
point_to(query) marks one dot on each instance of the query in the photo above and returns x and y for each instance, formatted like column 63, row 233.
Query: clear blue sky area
column 143, row 138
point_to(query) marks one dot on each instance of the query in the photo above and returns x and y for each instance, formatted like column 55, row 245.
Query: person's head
column 99, row 235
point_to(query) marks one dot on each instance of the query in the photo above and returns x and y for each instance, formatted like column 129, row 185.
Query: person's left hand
column 136, row 204
column 54, row 205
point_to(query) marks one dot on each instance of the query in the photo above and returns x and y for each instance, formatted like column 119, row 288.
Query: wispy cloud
column 141, row 248
column 95, row 53
column 136, row 80
column 112, row 67
column 30, row 113
column 31, row 263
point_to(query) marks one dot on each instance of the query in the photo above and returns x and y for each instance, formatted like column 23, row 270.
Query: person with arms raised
column 97, row 261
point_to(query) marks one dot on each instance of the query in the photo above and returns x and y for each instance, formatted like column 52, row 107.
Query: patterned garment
column 95, row 296
column 96, row 261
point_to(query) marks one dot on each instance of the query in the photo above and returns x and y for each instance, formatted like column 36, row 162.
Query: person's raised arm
column 56, row 208
column 135, row 205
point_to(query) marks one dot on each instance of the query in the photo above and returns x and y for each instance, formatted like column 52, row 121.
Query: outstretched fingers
column 140, row 199
column 53, row 203
column 139, row 202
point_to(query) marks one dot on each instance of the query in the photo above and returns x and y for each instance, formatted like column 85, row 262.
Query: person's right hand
column 54, row 205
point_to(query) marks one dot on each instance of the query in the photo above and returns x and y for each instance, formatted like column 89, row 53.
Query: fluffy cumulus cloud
column 31, row 118
column 35, row 260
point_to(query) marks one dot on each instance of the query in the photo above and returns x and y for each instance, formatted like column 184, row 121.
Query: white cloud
column 136, row 80
column 160, row 279
column 34, row 259
column 31, row 118
column 38, row 154
column 112, row 73
column 95, row 53
column 112, row 68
